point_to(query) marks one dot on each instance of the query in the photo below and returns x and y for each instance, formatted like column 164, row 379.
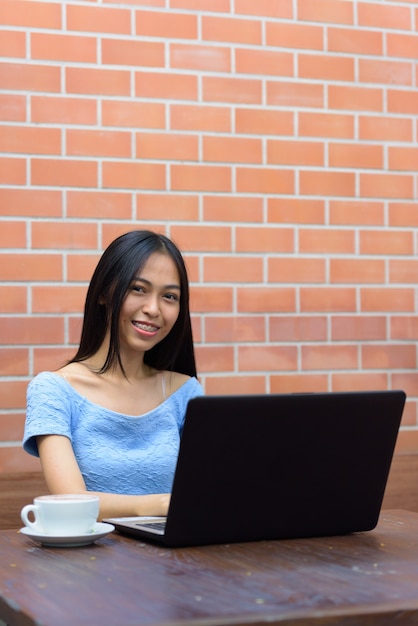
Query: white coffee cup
column 62, row 515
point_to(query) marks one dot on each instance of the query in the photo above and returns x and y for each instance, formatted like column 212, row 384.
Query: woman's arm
column 62, row 475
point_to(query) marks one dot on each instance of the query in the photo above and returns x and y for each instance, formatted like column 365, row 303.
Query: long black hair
column 109, row 285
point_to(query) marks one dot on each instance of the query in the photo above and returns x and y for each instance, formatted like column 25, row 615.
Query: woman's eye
column 137, row 288
column 171, row 296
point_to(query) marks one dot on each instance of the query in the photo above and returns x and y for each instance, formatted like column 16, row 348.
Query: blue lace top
column 116, row 453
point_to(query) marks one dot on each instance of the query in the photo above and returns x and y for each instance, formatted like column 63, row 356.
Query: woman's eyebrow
column 148, row 282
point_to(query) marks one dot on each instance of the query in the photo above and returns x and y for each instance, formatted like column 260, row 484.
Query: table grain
column 366, row 578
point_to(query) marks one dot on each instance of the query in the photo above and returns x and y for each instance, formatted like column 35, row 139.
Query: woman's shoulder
column 181, row 384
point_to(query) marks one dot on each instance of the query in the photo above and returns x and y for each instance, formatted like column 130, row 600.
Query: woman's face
column 151, row 306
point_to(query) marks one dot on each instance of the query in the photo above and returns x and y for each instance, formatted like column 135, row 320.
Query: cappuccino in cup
column 62, row 515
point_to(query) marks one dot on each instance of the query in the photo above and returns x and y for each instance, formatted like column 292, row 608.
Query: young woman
column 110, row 420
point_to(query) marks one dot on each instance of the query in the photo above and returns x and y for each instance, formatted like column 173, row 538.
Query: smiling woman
column 110, row 421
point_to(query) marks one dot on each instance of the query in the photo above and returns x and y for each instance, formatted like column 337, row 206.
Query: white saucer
column 100, row 530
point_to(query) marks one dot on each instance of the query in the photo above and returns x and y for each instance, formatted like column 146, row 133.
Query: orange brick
column 13, row 234
column 63, row 110
column 13, row 299
column 99, row 204
column 80, row 267
column 31, row 330
column 29, row 77
column 264, row 121
column 265, row 180
column 133, row 175
column 392, row 299
column 168, row 146
column 200, row 117
column 357, row 271
column 298, row 328
column 296, row 211
column 401, row 101
column 355, row 98
column 327, row 299
column 266, row 300
column 382, row 71
column 202, row 238
column 102, row 143
column 403, row 158
column 402, row 45
column 200, row 178
column 388, row 356
column 359, row 381
column 355, row 155
column 298, row 383
column 214, row 359
column 14, row 361
column 62, row 235
column 11, row 426
column 175, row 207
column 63, row 172
column 30, row 202
column 12, row 171
column 68, row 48
column 111, row 230
column 296, row 35
column 232, row 149
column 334, row 125
column 403, row 271
column 355, row 41
column 403, row 327
column 166, row 86
column 294, row 94
column 238, row 90
column 235, row 328
column 267, row 358
column 12, row 108
column 282, row 152
column 74, row 330
column 385, row 128
column 17, row 460
column 403, row 214
column 264, row 239
column 296, row 270
column 221, row 385
column 232, row 208
column 211, row 299
column 97, row 81
column 340, row 12
column 358, row 328
column 250, row 61
column 98, row 19
column 12, row 44
column 51, row 359
column 325, row 183
column 220, row 6
column 386, row 242
column 356, row 212
column 166, row 24
column 58, row 299
column 326, row 241
column 29, row 267
column 202, row 58
column 325, row 67
column 385, row 16
column 268, row 8
column 28, row 139
column 406, row 381
column 133, row 52
column 231, row 30
column 330, row 357
column 133, row 114
column 386, row 186
column 234, row 269
column 13, row 394
column 30, row 14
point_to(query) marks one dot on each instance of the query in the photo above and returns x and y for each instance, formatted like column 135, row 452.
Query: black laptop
column 256, row 467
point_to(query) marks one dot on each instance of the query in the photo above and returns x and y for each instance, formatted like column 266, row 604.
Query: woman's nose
column 151, row 306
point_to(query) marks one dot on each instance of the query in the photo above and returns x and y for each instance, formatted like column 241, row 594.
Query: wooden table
column 368, row 578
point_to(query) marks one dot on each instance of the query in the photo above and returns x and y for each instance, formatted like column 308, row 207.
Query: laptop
column 262, row 467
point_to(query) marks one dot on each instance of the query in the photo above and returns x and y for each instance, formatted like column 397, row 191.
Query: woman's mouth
column 145, row 328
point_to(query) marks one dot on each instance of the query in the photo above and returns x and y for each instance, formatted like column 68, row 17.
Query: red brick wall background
column 273, row 140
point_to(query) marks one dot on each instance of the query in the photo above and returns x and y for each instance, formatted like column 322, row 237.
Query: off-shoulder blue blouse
column 116, row 453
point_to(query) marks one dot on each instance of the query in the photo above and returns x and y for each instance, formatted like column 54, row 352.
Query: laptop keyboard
column 153, row 525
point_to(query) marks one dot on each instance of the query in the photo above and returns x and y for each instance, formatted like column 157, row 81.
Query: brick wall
column 274, row 140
